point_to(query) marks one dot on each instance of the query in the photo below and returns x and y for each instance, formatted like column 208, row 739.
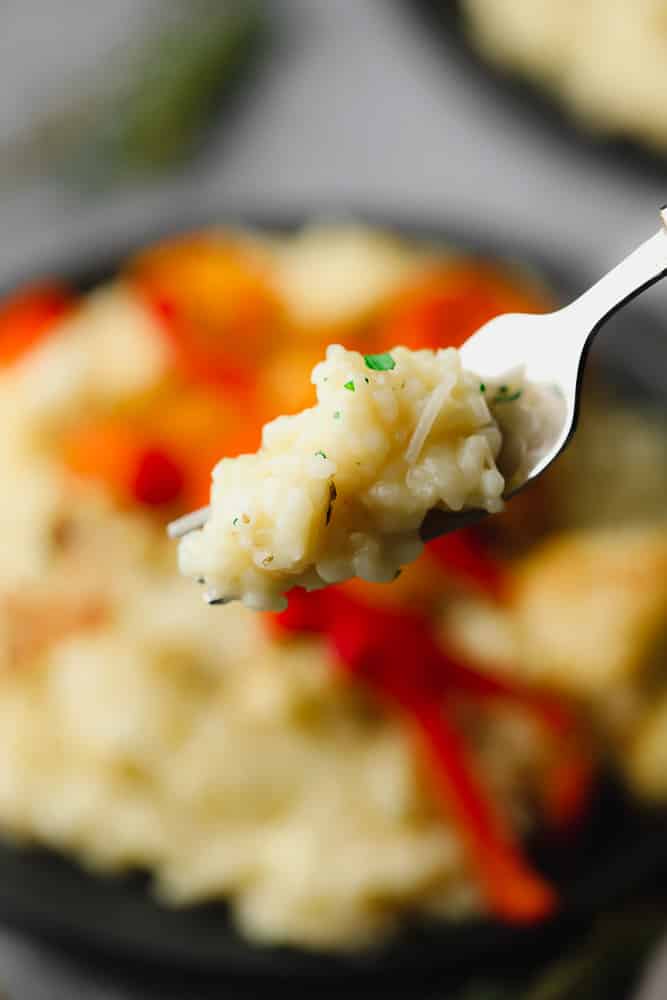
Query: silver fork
column 551, row 348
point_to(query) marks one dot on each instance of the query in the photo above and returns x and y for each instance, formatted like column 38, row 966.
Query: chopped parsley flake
column 336, row 415
column 504, row 398
column 321, row 453
column 380, row 362
column 235, row 521
column 349, row 385
column 366, row 379
column 482, row 387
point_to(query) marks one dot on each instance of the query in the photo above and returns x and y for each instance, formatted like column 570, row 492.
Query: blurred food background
column 125, row 119
column 350, row 101
column 604, row 63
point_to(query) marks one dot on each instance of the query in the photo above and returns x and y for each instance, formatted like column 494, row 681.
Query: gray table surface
column 356, row 103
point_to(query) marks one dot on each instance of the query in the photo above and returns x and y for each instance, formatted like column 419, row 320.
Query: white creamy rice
column 341, row 489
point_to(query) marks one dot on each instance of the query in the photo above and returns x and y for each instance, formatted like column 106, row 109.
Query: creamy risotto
column 359, row 756
column 342, row 489
column 605, row 59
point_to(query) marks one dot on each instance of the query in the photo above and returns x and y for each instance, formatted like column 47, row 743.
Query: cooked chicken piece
column 591, row 609
column 588, row 618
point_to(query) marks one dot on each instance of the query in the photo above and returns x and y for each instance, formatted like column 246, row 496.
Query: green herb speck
column 482, row 387
column 336, row 415
column 508, row 399
column 366, row 379
column 380, row 362
column 235, row 521
column 349, row 385
column 321, row 453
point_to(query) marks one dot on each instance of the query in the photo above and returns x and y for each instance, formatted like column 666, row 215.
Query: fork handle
column 641, row 269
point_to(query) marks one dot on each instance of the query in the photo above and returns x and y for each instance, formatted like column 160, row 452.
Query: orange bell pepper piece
column 28, row 316
column 463, row 556
column 134, row 469
column 445, row 306
column 216, row 308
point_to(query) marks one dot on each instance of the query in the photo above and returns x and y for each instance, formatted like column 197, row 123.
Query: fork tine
column 189, row 522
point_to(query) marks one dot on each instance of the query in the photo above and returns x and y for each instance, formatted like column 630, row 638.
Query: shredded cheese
column 428, row 417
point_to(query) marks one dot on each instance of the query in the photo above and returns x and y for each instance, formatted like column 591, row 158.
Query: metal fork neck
column 646, row 265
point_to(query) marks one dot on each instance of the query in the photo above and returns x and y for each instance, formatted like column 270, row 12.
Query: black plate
column 623, row 847
column 537, row 104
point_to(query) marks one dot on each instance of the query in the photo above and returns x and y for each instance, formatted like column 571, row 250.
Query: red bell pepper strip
column 394, row 654
column 158, row 478
column 435, row 675
column 566, row 793
column 462, row 555
column 513, row 889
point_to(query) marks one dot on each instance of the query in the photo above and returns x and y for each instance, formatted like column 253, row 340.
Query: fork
column 551, row 348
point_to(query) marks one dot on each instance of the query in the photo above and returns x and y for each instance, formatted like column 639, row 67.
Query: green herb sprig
column 151, row 112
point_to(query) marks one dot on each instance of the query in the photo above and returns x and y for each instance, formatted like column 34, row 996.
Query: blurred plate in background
column 537, row 103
